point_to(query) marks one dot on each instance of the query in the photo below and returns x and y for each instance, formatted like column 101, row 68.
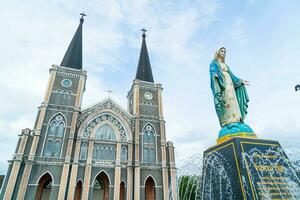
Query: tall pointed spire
column 73, row 56
column 144, row 71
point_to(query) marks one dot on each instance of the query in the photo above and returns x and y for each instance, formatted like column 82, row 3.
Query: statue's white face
column 222, row 53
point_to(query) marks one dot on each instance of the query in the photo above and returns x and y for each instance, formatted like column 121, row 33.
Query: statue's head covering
column 217, row 53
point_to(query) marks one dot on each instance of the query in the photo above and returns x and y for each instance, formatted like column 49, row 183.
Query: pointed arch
column 46, row 172
column 57, row 114
column 122, row 190
column 152, row 177
column 44, row 186
column 124, row 153
column 101, row 185
column 83, row 151
column 55, row 135
column 149, row 143
column 105, row 132
column 104, row 172
column 78, row 190
column 150, row 185
column 149, row 133
column 148, row 123
column 100, row 112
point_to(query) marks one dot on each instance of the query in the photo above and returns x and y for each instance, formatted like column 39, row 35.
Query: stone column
column 137, row 181
column 87, row 172
column 74, row 171
column 117, row 172
column 163, row 146
column 164, row 171
column 172, row 170
column 136, row 137
column 129, row 174
column 160, row 105
column 25, row 135
column 12, row 180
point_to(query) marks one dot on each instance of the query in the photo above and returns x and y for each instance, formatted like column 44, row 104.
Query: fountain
column 244, row 168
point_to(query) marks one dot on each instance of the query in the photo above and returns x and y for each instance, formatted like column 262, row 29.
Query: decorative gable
column 106, row 104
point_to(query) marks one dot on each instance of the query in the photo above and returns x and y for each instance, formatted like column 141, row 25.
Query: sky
column 261, row 38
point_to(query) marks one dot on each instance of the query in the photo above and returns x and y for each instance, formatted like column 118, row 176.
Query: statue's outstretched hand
column 245, row 82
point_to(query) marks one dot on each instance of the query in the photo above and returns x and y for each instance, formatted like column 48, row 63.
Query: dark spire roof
column 144, row 71
column 73, row 56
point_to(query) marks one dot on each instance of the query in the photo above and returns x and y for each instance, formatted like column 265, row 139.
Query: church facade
column 102, row 152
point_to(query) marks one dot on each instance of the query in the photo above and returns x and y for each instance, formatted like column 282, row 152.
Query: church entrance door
column 122, row 191
column 150, row 189
column 44, row 188
column 78, row 190
column 101, row 187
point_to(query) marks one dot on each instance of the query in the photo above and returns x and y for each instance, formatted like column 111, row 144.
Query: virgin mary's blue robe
column 218, row 85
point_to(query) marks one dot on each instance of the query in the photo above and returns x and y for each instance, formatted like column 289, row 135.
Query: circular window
column 66, row 83
column 59, row 118
column 148, row 127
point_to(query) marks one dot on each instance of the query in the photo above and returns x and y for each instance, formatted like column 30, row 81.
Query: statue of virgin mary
column 230, row 97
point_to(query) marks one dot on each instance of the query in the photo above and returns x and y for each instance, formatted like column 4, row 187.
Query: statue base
column 236, row 129
column 248, row 168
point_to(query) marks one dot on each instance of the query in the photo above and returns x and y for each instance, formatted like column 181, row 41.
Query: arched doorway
column 149, row 189
column 78, row 190
column 44, row 188
column 101, row 187
column 122, row 191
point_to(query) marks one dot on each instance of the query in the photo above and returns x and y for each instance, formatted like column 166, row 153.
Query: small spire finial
column 82, row 15
column 144, row 32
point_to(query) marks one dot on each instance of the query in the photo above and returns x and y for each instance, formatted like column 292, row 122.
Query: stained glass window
column 83, row 151
column 55, row 134
column 149, row 144
column 124, row 153
column 106, row 132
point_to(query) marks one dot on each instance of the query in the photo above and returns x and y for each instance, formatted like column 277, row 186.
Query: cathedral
column 103, row 152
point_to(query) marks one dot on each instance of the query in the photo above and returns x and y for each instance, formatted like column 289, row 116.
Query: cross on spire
column 82, row 15
column 144, row 72
column 73, row 55
column 144, row 32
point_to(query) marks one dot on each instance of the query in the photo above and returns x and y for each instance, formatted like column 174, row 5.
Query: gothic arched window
column 56, row 130
column 107, row 150
column 106, row 132
column 83, row 151
column 124, row 153
column 47, row 151
column 152, row 155
column 149, row 144
column 104, row 152
column 95, row 151
column 146, row 154
column 61, row 129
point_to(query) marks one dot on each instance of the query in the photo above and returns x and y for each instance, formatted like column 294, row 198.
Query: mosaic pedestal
column 247, row 168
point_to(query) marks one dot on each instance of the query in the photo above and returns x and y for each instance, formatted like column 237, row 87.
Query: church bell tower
column 152, row 163
column 51, row 139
